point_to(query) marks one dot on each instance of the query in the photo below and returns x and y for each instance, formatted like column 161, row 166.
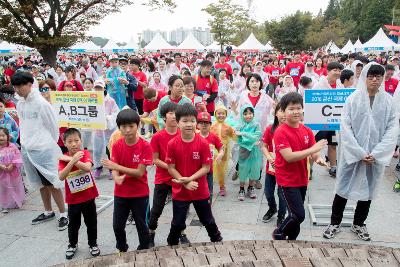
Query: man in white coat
column 368, row 134
column 40, row 152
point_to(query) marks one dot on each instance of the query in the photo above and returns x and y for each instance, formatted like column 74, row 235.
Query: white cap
column 100, row 83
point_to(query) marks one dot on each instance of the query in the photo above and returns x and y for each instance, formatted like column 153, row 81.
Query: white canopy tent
column 84, row 47
column 6, row 47
column 380, row 42
column 268, row 46
column 111, row 46
column 358, row 45
column 214, row 46
column 191, row 43
column 348, row 47
column 158, row 43
column 131, row 46
column 333, row 48
column 251, row 43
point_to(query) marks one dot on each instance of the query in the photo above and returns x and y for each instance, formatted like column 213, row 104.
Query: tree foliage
column 230, row 23
column 49, row 25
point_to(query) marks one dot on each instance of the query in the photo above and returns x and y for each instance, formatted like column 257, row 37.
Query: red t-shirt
column 293, row 174
column 131, row 156
column 141, row 77
column 188, row 159
column 254, row 99
column 77, row 86
column 267, row 138
column 295, row 70
column 321, row 71
column 274, row 73
column 214, row 142
column 207, row 85
column 84, row 195
column 159, row 144
column 149, row 106
column 225, row 66
column 391, row 85
column 9, row 73
column 240, row 60
column 333, row 85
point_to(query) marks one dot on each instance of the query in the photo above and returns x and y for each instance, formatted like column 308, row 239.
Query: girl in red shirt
column 319, row 69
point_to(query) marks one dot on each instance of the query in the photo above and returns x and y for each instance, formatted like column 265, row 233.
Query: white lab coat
column 39, row 135
column 365, row 131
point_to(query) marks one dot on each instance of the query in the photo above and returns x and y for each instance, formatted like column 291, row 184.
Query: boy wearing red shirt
column 189, row 159
column 222, row 64
column 129, row 158
column 390, row 82
column 80, row 192
column 206, row 85
column 294, row 143
column 204, row 125
column 295, row 69
column 162, row 180
column 134, row 65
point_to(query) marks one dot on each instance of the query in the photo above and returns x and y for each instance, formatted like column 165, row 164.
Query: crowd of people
column 192, row 115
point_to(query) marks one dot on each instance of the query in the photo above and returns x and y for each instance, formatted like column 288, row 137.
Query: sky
column 132, row 20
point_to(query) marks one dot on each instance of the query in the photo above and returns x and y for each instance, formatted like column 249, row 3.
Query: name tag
column 79, row 181
column 294, row 72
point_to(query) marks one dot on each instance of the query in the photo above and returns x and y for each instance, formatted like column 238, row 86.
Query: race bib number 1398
column 79, row 180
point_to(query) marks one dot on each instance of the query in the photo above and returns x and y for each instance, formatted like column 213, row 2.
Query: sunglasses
column 44, row 89
column 204, row 122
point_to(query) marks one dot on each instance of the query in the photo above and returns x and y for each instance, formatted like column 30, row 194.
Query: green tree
column 50, row 25
column 332, row 10
column 229, row 22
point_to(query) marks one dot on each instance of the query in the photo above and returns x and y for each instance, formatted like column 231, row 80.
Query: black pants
column 139, row 105
column 360, row 215
column 140, row 208
column 161, row 192
column 129, row 99
column 88, row 210
column 203, row 210
column 294, row 197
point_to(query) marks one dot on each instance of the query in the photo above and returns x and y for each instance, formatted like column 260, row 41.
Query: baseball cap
column 204, row 116
column 99, row 83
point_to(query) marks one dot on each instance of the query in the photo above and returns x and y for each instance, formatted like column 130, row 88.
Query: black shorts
column 43, row 179
column 330, row 136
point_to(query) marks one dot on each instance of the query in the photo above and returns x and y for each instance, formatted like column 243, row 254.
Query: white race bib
column 79, row 181
column 294, row 72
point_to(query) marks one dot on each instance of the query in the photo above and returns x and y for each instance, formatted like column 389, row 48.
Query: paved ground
column 23, row 244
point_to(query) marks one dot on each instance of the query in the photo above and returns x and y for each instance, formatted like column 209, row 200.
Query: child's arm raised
column 158, row 162
column 64, row 172
column 291, row 156
column 137, row 173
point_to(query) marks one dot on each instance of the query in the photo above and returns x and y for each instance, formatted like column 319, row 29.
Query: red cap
column 203, row 116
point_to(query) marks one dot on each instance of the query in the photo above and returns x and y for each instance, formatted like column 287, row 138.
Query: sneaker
column 70, row 253
column 241, row 195
column 396, row 186
column 331, row 231
column 130, row 219
column 183, row 239
column 280, row 221
column 4, row 211
column 151, row 242
column 398, row 167
column 268, row 216
column 251, row 192
column 258, row 184
column 222, row 192
column 361, row 232
column 62, row 223
column 396, row 154
column 97, row 173
column 94, row 251
column 332, row 171
column 43, row 218
column 235, row 176
column 277, row 235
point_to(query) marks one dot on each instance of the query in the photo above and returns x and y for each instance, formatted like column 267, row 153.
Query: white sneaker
column 361, row 232
column 331, row 231
column 4, row 211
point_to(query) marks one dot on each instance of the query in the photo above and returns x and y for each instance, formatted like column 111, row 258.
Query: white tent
column 268, row 46
column 358, row 45
column 131, row 45
column 348, row 47
column 84, row 47
column 111, row 46
column 191, row 43
column 158, row 43
column 251, row 44
column 328, row 45
column 333, row 48
column 6, row 47
column 214, row 46
column 380, row 42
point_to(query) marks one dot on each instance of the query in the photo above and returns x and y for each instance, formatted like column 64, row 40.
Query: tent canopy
column 158, row 43
column 112, row 46
column 380, row 42
column 358, row 45
column 251, row 44
column 84, row 47
column 268, row 46
column 191, row 43
column 131, row 45
column 6, row 47
column 214, row 46
column 349, row 47
column 333, row 48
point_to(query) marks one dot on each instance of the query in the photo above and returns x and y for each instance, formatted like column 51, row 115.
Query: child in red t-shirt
column 129, row 159
column 294, row 143
column 204, row 125
column 189, row 159
column 80, row 192
column 268, row 150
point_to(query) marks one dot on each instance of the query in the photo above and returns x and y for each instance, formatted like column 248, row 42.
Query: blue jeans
column 210, row 181
column 269, row 191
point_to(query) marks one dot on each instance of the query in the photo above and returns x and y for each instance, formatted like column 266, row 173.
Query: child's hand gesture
column 65, row 158
column 271, row 161
column 109, row 164
column 192, row 185
column 77, row 157
column 119, row 179
column 319, row 145
column 321, row 162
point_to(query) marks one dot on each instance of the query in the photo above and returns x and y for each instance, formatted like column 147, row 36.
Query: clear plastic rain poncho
column 250, row 157
column 39, row 135
column 364, row 131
